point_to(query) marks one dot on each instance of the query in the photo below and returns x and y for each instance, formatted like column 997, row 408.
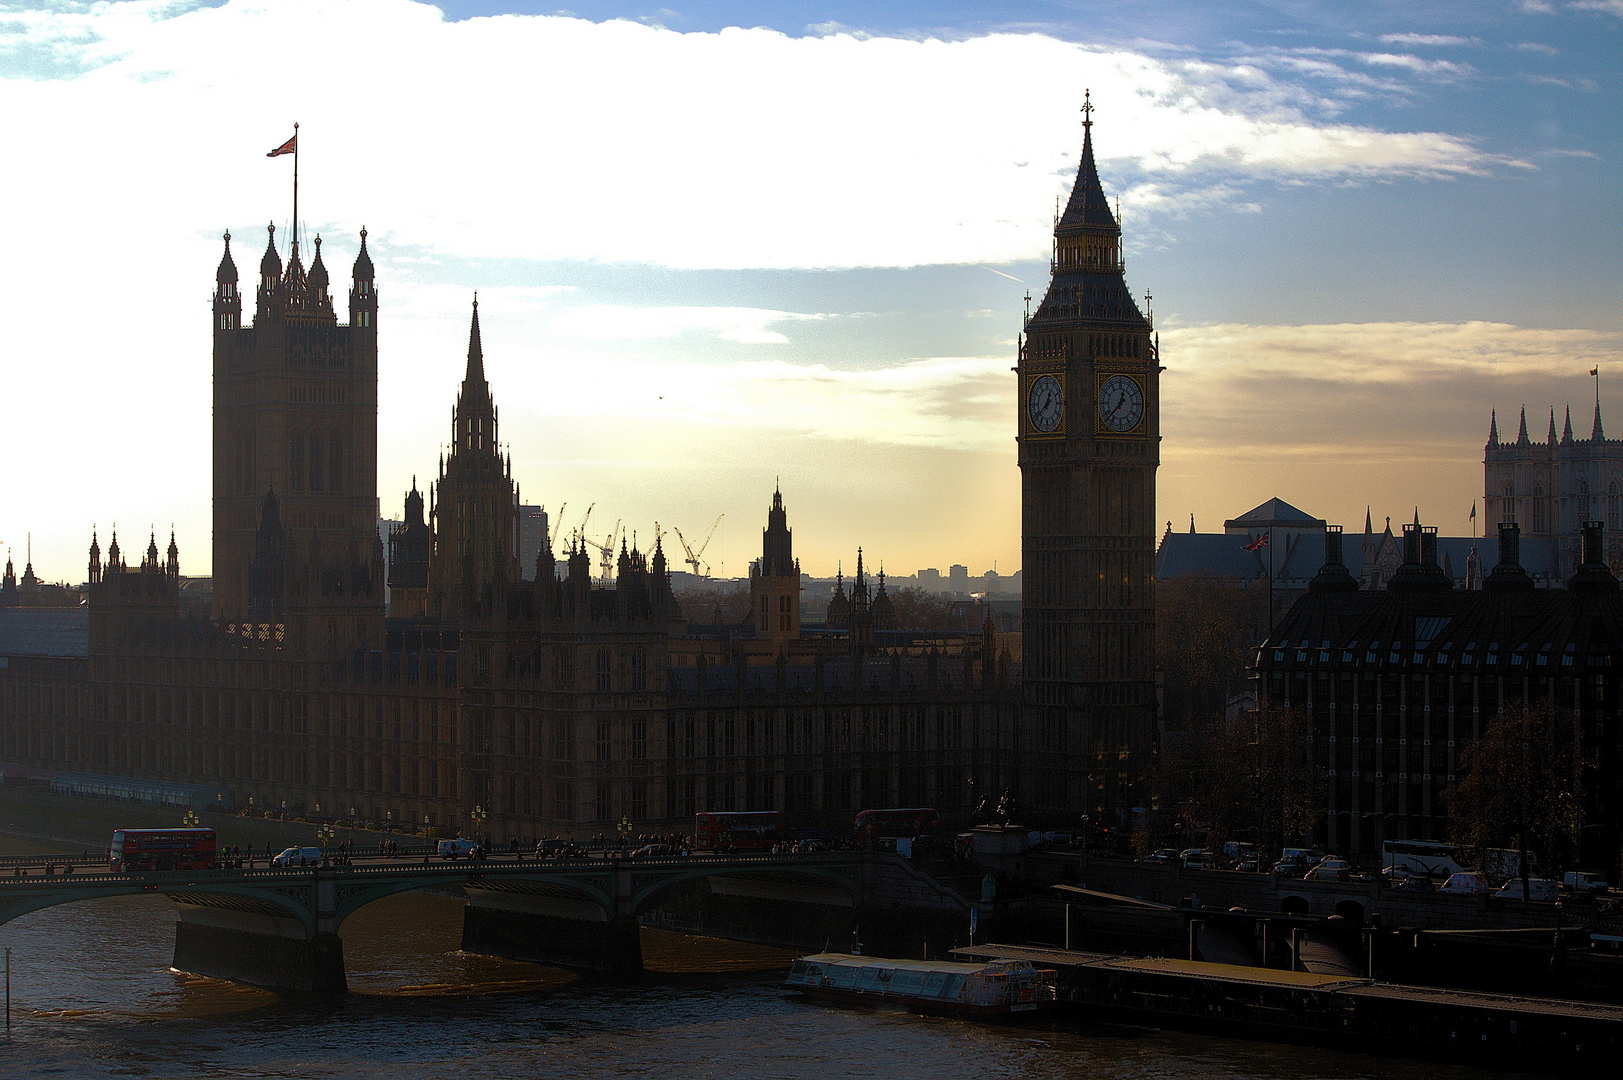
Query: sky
column 724, row 246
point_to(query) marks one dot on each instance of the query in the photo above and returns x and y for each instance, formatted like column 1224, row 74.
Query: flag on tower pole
column 1258, row 544
column 289, row 147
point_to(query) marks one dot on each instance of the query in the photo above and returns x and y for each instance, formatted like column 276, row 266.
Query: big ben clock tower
column 1089, row 435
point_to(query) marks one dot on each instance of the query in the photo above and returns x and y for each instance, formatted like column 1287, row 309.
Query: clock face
column 1046, row 406
column 1121, row 404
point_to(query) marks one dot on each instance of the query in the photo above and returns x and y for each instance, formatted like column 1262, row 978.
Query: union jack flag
column 1258, row 544
column 289, row 147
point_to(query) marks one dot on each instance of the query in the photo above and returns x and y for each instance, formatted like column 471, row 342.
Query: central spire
column 476, row 352
column 1087, row 206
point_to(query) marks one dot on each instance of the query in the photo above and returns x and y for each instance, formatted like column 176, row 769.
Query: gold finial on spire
column 1087, row 108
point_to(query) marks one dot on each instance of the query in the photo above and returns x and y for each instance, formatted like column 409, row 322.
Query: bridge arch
column 352, row 896
column 649, row 889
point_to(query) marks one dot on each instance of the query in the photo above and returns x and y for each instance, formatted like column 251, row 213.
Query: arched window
column 1583, row 500
column 639, row 669
column 1540, row 521
column 1508, row 513
column 335, row 462
column 316, row 461
column 603, row 669
column 295, row 460
column 1612, row 507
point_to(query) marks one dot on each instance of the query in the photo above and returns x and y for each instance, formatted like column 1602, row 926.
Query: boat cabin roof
column 944, row 966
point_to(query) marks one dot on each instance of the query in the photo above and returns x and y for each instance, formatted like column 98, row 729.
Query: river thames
column 93, row 996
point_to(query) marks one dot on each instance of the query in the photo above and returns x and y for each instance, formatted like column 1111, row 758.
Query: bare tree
column 1519, row 788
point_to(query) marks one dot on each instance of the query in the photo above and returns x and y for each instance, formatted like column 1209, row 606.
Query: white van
column 1584, row 881
column 298, row 856
column 1466, row 883
column 455, row 849
column 1541, row 890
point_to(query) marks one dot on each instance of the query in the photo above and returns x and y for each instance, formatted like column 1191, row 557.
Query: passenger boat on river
column 994, row 989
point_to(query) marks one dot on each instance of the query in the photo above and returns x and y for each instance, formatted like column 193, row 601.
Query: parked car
column 1466, row 883
column 455, row 849
column 1542, row 890
column 298, row 856
column 1330, row 868
column 1584, row 881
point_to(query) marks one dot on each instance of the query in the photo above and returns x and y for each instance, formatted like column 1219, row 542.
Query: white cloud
column 745, row 326
column 1607, row 7
column 1439, row 69
column 1337, row 416
column 1428, row 39
column 547, row 137
column 1536, row 47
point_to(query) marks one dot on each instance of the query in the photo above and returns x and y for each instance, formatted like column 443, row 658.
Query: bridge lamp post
column 479, row 815
column 324, row 836
column 625, row 831
column 189, row 819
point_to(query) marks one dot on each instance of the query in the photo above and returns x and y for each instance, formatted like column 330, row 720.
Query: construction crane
column 694, row 557
column 554, row 524
column 581, row 530
column 606, row 551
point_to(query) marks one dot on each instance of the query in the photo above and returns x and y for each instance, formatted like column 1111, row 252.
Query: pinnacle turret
column 1493, row 428
column 1521, row 436
column 228, row 266
column 1598, row 434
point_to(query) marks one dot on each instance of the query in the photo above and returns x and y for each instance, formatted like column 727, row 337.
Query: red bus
column 746, row 830
column 906, row 822
column 162, row 849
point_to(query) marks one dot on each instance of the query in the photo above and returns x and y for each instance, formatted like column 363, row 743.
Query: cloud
column 557, row 138
column 1605, row 7
column 1348, row 414
column 745, row 326
column 1536, row 47
column 1428, row 39
column 1437, row 69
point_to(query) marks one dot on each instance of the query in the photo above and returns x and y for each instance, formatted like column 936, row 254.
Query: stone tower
column 775, row 581
column 1089, row 437
column 295, row 452
column 475, row 509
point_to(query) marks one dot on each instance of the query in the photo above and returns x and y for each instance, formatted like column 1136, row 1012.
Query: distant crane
column 581, row 530
column 552, row 534
column 606, row 551
column 694, row 557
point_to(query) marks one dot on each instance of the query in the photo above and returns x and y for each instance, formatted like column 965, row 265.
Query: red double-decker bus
column 744, row 830
column 905, row 822
column 162, row 849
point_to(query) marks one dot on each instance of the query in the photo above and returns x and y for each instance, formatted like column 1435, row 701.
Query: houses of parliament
column 556, row 703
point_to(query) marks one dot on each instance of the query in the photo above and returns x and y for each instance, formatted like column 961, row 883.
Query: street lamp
column 479, row 815
column 189, row 819
column 625, row 831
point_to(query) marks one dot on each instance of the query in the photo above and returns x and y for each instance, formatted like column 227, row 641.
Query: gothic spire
column 1087, row 206
column 1493, row 428
column 1551, row 437
column 1566, row 431
column 476, row 352
column 1521, row 436
column 1598, row 434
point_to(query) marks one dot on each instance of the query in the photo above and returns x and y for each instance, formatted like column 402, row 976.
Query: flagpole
column 295, row 189
column 1270, row 581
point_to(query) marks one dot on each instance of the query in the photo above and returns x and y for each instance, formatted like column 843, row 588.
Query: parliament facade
column 563, row 704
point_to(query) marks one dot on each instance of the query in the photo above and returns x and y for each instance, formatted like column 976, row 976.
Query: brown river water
column 92, row 995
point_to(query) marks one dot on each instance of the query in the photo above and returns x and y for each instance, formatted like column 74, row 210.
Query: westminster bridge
column 278, row 928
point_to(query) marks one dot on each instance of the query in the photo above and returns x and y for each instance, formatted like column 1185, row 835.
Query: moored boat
column 997, row 988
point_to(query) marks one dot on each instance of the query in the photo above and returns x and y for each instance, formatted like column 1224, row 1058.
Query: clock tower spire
column 1088, row 435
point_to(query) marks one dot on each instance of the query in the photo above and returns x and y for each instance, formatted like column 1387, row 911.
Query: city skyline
column 1361, row 236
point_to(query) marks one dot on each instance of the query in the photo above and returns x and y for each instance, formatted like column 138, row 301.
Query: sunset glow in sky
column 729, row 243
